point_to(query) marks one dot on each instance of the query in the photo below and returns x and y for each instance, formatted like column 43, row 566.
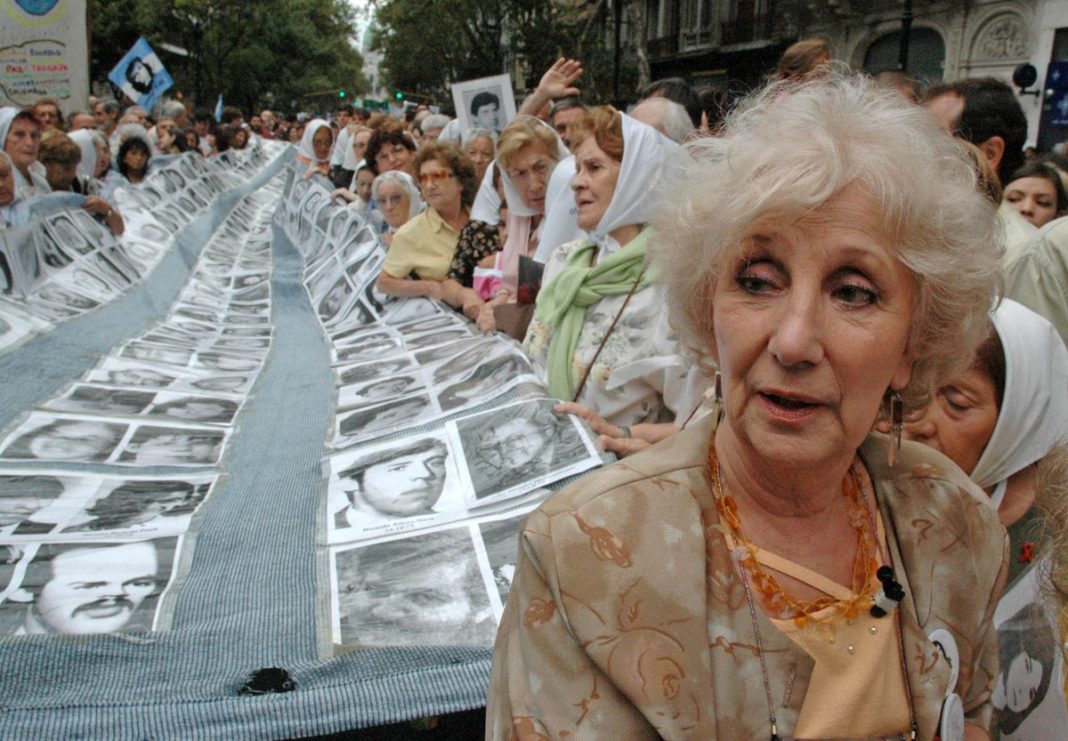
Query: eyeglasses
column 394, row 200
column 434, row 177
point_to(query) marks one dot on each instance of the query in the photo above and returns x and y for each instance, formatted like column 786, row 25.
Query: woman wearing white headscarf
column 998, row 421
column 598, row 314
column 20, row 137
column 315, row 147
column 86, row 175
column 396, row 196
column 527, row 152
column 12, row 206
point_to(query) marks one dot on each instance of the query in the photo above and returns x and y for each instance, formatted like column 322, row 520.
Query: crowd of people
column 826, row 327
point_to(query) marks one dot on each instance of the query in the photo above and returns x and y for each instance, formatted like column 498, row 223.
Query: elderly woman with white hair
column 396, row 196
column 779, row 570
column 11, row 213
column 20, row 138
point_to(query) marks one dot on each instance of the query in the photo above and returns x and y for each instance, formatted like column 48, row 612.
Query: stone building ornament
column 1003, row 37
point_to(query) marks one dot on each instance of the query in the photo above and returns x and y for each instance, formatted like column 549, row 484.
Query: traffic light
column 398, row 96
column 341, row 94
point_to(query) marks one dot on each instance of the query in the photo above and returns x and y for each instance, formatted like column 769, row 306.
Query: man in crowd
column 393, row 483
column 106, row 113
column 562, row 113
column 48, row 113
column 985, row 112
column 79, row 589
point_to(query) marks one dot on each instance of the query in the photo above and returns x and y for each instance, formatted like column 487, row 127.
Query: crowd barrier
column 242, row 494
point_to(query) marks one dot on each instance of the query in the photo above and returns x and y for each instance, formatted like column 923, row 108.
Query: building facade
column 732, row 44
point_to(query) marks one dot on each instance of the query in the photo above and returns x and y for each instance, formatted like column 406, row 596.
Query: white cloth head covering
column 516, row 207
column 341, row 142
column 349, row 161
column 84, row 139
column 645, row 150
column 1034, row 409
column 7, row 115
column 7, row 211
column 487, row 206
column 306, row 148
column 560, row 225
column 415, row 201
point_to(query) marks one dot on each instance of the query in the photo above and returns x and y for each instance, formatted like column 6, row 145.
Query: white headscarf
column 349, row 162
column 1034, row 408
column 516, row 207
column 14, row 212
column 7, row 115
column 306, row 148
column 84, row 139
column 415, row 201
column 636, row 199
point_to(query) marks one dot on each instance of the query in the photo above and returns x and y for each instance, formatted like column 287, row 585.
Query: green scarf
column 563, row 302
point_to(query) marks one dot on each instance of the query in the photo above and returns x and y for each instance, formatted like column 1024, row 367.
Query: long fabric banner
column 229, row 465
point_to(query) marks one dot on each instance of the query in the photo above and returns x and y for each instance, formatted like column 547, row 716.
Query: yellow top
column 857, row 687
column 424, row 245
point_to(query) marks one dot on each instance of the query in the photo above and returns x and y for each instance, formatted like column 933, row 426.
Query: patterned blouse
column 478, row 240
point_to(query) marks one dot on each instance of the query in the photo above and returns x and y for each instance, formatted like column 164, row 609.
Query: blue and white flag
column 218, row 109
column 141, row 76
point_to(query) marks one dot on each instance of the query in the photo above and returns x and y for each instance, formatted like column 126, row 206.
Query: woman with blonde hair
column 527, row 152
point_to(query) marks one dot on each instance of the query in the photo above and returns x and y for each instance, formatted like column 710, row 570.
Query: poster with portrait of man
column 363, row 423
column 44, row 436
column 137, row 508
column 87, row 588
column 141, row 75
column 521, row 446
column 486, row 103
column 34, row 504
column 424, row 590
column 399, row 486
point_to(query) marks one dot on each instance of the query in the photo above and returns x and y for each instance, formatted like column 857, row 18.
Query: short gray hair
column 434, row 121
column 415, row 201
column 789, row 148
column 668, row 117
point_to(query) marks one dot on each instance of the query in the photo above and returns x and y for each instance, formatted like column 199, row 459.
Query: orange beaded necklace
column 776, row 600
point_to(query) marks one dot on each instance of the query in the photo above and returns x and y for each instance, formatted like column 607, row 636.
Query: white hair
column 666, row 116
column 415, row 202
column 788, row 149
column 434, row 121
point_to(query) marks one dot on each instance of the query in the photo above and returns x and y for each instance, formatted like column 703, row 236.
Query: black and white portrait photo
column 487, row 103
column 520, row 446
column 340, row 292
column 376, row 391
column 24, row 498
column 143, row 504
column 354, row 374
column 173, row 446
column 488, row 380
column 101, row 400
column 85, row 588
column 384, row 484
column 202, row 409
column 425, row 590
column 387, row 416
column 48, row 437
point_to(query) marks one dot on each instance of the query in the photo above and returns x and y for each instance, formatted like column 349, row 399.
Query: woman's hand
column 622, row 446
column 555, row 83
column 97, row 205
column 486, row 321
column 557, row 80
column 344, row 194
column 471, row 304
column 596, row 422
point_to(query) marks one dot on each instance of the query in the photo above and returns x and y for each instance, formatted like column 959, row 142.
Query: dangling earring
column 897, row 425
column 717, row 401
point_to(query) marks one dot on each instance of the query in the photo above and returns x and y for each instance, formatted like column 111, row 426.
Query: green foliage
column 429, row 44
column 287, row 54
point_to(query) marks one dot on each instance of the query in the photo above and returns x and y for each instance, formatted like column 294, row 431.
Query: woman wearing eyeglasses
column 419, row 257
column 396, row 196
